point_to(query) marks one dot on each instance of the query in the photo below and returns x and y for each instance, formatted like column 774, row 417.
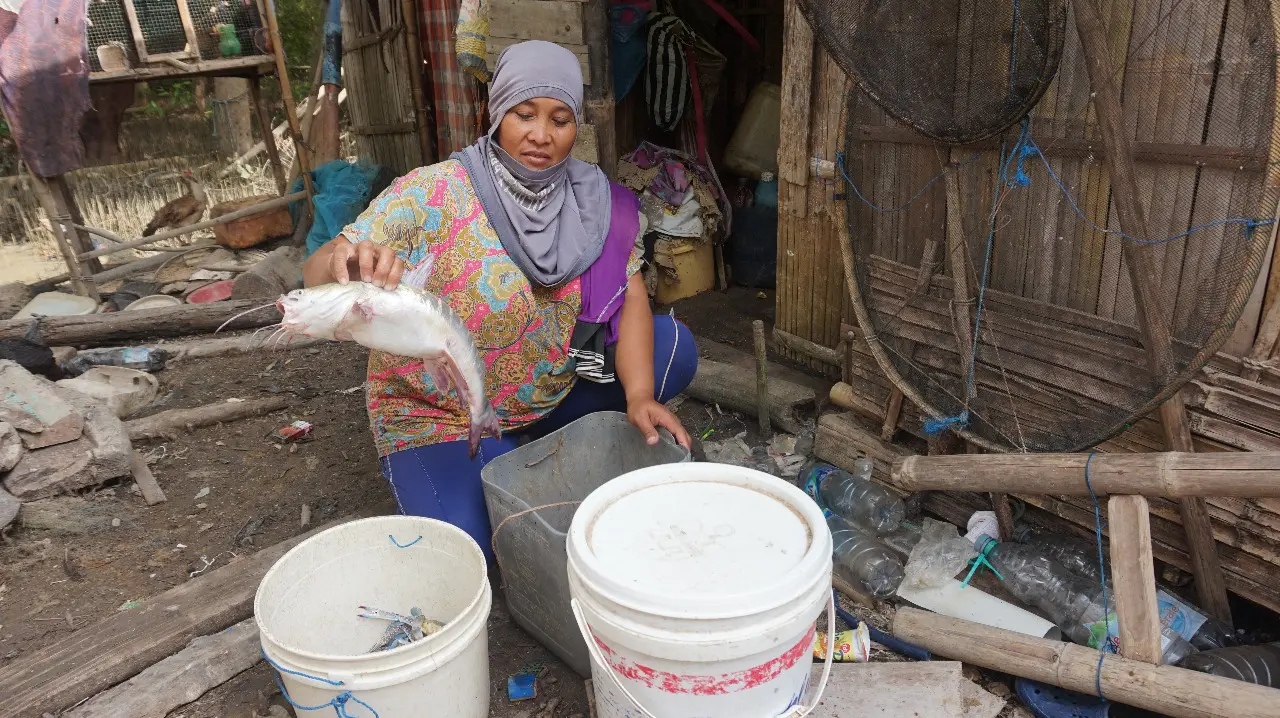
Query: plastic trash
column 1252, row 664
column 855, row 496
column 852, row 646
column 903, row 539
column 1081, row 558
column 940, row 554
column 1071, row 601
column 146, row 359
column 862, row 559
column 767, row 191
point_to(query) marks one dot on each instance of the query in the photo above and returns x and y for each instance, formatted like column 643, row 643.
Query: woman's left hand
column 649, row 414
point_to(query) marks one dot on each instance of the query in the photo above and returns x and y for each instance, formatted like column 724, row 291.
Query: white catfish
column 403, row 321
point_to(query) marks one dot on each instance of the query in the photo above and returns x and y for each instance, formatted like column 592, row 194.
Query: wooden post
column 67, row 207
column 1133, row 575
column 599, row 101
column 302, row 152
column 425, row 120
column 1211, row 588
column 1244, row 474
column 1167, row 690
column 77, row 266
column 958, row 260
column 268, row 137
column 762, row 378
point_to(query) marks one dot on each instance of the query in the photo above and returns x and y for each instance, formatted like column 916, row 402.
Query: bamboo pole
column 302, row 152
column 1170, row 474
column 1211, row 588
column 268, row 139
column 762, row 377
column 958, row 260
column 206, row 224
column 924, row 277
column 1168, row 690
column 426, row 127
column 77, row 266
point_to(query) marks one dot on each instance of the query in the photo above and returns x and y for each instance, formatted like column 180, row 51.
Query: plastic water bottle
column 148, row 359
column 1072, row 602
column 1081, row 558
column 862, row 559
column 767, row 191
column 1254, row 664
column 855, row 497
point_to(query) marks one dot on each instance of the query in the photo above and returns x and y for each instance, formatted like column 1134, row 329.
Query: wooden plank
column 228, row 67
column 135, row 29
column 495, row 45
column 1133, row 575
column 181, row 678
column 146, row 481
column 81, row 664
column 188, row 29
column 550, row 20
column 797, row 85
column 269, row 140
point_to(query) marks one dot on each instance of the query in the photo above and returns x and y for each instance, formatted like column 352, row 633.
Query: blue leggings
column 441, row 482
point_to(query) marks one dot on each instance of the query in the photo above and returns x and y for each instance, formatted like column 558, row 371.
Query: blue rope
column 904, row 205
column 338, row 702
column 403, row 545
column 1249, row 224
column 1102, row 572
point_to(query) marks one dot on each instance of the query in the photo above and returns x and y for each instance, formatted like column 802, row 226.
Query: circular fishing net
column 993, row 280
column 955, row 71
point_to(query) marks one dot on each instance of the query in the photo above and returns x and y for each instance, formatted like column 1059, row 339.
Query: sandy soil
column 29, row 262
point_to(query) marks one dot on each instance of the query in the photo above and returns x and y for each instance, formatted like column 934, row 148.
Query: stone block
column 31, row 405
column 10, row 446
column 103, row 452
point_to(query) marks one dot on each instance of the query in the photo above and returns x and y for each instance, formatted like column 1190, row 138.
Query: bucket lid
column 700, row 541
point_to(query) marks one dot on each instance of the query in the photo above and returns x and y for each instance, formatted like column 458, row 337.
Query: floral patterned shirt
column 522, row 331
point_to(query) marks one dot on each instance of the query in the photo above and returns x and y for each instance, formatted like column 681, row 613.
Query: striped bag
column 666, row 80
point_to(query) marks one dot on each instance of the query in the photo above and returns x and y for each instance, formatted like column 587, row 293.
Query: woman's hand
column 648, row 414
column 370, row 262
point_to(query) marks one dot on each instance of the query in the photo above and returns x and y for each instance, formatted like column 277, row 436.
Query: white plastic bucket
column 697, row 588
column 307, row 610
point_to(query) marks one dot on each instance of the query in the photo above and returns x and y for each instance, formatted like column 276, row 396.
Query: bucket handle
column 795, row 712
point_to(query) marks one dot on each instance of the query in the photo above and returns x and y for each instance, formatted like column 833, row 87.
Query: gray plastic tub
column 566, row 465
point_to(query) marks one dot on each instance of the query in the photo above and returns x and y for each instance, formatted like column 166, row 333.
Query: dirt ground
column 232, row 490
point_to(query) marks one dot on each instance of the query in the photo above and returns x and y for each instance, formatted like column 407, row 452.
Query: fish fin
column 486, row 425
column 417, row 277
column 435, row 368
column 360, row 313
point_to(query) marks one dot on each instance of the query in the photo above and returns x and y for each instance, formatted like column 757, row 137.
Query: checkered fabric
column 456, row 95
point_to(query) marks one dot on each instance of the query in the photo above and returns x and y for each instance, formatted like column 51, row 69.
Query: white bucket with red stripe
column 697, row 588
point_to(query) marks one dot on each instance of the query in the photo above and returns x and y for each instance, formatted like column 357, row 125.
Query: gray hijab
column 552, row 222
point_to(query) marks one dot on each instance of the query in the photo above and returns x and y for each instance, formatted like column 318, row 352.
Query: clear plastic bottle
column 862, row 559
column 147, row 359
column 1254, row 664
column 902, row 539
column 855, row 496
column 1072, row 602
column 767, row 191
column 1081, row 558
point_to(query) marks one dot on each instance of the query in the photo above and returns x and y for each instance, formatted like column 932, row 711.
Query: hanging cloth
column 666, row 81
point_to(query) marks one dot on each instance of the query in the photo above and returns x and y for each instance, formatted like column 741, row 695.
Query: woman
column 539, row 254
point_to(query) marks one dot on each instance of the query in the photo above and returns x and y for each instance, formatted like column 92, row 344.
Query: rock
column 125, row 391
column 34, row 408
column 10, row 446
column 66, row 515
column 8, row 508
column 102, row 453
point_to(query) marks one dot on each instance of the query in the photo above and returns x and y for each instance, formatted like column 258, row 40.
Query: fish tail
column 483, row 423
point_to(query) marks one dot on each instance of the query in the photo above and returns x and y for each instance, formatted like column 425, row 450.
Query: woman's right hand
column 366, row 261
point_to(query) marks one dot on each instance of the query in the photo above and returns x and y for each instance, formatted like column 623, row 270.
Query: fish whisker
column 241, row 314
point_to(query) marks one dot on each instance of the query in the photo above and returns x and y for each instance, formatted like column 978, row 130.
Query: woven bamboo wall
column 1082, row 272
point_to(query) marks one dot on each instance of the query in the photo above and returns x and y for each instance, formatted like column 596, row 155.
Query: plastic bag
column 941, row 554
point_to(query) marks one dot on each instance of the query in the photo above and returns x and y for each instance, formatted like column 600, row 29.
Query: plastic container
column 1072, row 602
column 1079, row 557
column 57, row 304
column 956, row 600
column 855, row 496
column 153, row 301
column 753, row 149
column 124, row 391
column 1253, row 664
column 695, row 264
column 141, row 358
column 700, row 585
column 307, row 610
column 862, row 559
column 767, row 191
column 215, row 292
column 753, row 249
column 531, row 548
